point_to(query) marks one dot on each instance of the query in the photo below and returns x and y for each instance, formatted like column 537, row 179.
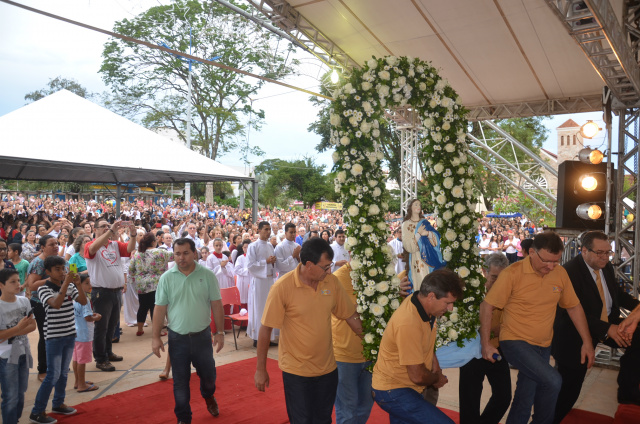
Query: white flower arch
column 357, row 113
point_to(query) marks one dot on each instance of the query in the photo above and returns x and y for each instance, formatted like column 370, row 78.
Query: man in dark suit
column 587, row 271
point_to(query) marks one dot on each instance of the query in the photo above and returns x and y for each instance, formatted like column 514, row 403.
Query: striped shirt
column 58, row 322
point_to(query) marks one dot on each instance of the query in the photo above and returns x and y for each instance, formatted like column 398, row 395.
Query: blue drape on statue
column 430, row 254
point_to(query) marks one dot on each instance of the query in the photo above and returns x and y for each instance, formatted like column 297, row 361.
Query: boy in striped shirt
column 57, row 296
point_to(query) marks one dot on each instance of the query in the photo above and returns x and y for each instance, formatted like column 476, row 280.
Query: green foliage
column 152, row 85
column 57, row 84
column 529, row 131
column 45, row 186
column 520, row 202
column 285, row 181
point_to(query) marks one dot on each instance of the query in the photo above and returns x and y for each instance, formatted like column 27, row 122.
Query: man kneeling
column 406, row 362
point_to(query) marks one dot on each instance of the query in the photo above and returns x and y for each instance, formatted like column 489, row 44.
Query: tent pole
column 118, row 191
column 254, row 203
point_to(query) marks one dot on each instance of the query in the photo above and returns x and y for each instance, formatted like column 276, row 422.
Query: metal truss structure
column 535, row 108
column 524, row 170
column 626, row 236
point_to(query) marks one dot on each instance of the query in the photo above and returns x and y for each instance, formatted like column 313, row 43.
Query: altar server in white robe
column 287, row 251
column 340, row 253
column 220, row 264
column 398, row 249
column 261, row 263
column 243, row 278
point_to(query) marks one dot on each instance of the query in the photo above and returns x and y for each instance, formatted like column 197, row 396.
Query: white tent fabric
column 64, row 137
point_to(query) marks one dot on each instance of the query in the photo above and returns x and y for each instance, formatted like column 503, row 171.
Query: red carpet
column 237, row 397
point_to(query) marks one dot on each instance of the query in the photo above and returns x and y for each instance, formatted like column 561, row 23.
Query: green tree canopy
column 56, row 84
column 287, row 181
column 152, row 85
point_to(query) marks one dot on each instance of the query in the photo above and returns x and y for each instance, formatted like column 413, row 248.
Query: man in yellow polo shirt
column 406, row 361
column 300, row 304
column 529, row 292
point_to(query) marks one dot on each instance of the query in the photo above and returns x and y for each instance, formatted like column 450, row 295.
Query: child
column 204, row 252
column 15, row 355
column 57, row 295
column 84, row 318
column 14, row 252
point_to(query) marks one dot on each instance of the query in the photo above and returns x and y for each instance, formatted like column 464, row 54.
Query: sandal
column 163, row 333
column 163, row 376
column 86, row 382
column 91, row 388
column 139, row 333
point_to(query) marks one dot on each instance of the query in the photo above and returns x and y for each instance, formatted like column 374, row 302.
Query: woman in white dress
column 242, row 274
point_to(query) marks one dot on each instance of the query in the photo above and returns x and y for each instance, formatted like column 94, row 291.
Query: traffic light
column 582, row 195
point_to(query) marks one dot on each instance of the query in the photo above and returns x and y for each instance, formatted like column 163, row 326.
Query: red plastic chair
column 231, row 296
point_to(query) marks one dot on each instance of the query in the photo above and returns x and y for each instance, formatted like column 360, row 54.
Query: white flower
column 465, row 220
column 369, row 291
column 372, row 63
column 383, row 91
column 384, row 75
column 463, row 272
column 390, row 270
column 453, row 334
column 366, row 86
column 437, row 137
column 334, row 119
column 348, row 88
column 383, row 300
column 342, row 176
column 353, row 120
column 440, row 85
column 446, row 102
column 352, row 242
column 448, row 183
column 391, row 60
column 450, row 235
column 395, row 304
column 356, row 169
column 376, row 309
column 380, row 155
column 353, row 210
column 447, row 215
column 368, row 252
column 359, row 309
column 345, row 141
column 382, row 225
column 373, row 272
column 466, row 245
column 453, row 317
column 422, row 86
column 459, row 208
column 365, row 127
column 446, row 126
column 382, row 287
column 335, row 156
column 374, row 209
column 395, row 281
column 438, row 167
column 446, row 255
column 457, row 191
column 355, row 263
column 376, row 192
column 475, row 282
column 449, row 147
column 368, row 338
column 441, row 198
column 375, row 133
column 366, row 228
column 366, row 106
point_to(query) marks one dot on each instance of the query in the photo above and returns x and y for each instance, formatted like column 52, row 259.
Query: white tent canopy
column 64, row 137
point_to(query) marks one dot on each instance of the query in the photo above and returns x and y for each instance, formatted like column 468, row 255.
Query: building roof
column 569, row 123
column 548, row 153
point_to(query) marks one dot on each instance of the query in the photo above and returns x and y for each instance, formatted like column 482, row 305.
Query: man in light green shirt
column 189, row 293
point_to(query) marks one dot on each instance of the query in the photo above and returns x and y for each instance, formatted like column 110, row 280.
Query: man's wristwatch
column 221, row 332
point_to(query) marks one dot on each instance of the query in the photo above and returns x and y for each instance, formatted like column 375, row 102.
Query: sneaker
column 64, row 410
column 105, row 366
column 115, row 358
column 42, row 418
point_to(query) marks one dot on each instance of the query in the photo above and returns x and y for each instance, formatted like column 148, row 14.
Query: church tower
column 570, row 141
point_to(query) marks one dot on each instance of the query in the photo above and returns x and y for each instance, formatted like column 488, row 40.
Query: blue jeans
column 353, row 398
column 13, row 383
column 183, row 351
column 538, row 382
column 59, row 353
column 310, row 400
column 406, row 406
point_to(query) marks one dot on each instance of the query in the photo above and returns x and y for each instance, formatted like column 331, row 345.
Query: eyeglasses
column 601, row 253
column 546, row 262
column 325, row 268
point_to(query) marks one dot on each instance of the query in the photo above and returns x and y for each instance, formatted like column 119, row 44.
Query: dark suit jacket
column 566, row 340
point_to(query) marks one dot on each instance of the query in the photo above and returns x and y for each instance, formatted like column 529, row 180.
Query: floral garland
column 356, row 115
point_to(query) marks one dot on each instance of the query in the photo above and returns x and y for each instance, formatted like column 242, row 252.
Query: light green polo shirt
column 189, row 298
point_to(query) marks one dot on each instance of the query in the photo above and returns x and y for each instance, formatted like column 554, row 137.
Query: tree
column 287, row 181
column 152, row 85
column 57, row 84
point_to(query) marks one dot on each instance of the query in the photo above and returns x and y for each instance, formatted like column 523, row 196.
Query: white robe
column 396, row 247
column 224, row 274
column 242, row 278
column 130, row 298
column 339, row 254
column 262, row 278
column 284, row 253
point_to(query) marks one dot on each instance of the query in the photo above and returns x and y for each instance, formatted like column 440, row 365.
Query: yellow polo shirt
column 529, row 301
column 407, row 340
column 347, row 347
column 303, row 316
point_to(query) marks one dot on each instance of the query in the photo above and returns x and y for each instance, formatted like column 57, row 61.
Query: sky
column 35, row 49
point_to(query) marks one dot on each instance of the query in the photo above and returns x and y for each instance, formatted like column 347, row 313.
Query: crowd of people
column 68, row 267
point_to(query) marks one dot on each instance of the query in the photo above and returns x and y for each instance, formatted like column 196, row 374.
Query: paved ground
column 141, row 367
